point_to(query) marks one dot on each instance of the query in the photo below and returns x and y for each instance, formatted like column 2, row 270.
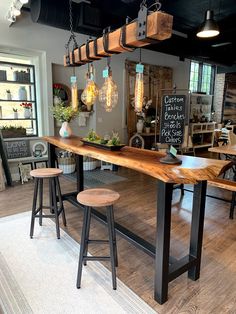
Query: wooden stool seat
column 98, row 197
column 45, row 172
column 56, row 206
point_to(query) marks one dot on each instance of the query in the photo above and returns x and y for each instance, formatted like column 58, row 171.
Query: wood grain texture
column 45, row 172
column 98, row 197
column 213, row 293
column 192, row 169
column 224, row 149
column 159, row 27
column 223, row 184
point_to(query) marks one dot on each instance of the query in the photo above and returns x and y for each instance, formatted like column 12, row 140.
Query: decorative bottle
column 22, row 93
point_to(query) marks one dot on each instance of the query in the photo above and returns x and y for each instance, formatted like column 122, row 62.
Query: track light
column 15, row 11
column 209, row 28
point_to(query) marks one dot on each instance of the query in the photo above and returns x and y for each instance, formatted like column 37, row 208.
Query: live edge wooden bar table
column 193, row 170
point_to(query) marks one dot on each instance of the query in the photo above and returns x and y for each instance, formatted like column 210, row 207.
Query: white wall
column 46, row 44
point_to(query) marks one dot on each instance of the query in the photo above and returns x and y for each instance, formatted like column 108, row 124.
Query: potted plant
column 64, row 114
column 8, row 94
column 27, row 109
column 56, row 94
column 15, row 113
column 147, row 124
column 13, row 131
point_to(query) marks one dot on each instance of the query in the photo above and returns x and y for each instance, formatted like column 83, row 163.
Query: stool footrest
column 45, row 216
column 97, row 241
column 97, row 258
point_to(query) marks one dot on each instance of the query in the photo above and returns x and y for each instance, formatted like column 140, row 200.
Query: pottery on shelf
column 147, row 129
column 27, row 113
column 56, row 100
column 65, row 130
column 139, row 126
column 22, row 93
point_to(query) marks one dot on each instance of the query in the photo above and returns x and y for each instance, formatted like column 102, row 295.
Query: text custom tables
column 192, row 170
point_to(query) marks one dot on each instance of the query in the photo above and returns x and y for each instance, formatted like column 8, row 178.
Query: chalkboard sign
column 172, row 119
column 17, row 149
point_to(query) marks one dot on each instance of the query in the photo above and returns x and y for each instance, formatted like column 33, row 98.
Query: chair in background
column 232, row 138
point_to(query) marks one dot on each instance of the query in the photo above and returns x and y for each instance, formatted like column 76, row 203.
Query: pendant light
column 139, row 87
column 108, row 94
column 209, row 28
column 90, row 93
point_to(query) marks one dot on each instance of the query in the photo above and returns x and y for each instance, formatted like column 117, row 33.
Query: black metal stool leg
column 82, row 247
column 87, row 234
column 55, row 208
column 51, row 205
column 114, row 236
column 34, row 207
column 61, row 206
column 112, row 255
column 40, row 201
column 233, row 201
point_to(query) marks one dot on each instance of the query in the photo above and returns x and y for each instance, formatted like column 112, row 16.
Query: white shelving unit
column 202, row 134
column 13, row 77
column 200, row 107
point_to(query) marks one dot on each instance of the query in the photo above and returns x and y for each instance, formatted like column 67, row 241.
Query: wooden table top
column 192, row 169
column 224, row 149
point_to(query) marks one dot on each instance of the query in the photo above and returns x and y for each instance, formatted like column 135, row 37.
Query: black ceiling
column 91, row 17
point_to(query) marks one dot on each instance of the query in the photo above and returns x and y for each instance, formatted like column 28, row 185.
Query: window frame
column 200, row 77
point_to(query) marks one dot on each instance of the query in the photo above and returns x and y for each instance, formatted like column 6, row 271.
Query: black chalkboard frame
column 169, row 158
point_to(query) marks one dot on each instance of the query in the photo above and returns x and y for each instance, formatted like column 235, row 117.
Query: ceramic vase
column 139, row 126
column 27, row 113
column 147, row 129
column 22, row 93
column 65, row 130
column 56, row 100
column 9, row 96
column 15, row 113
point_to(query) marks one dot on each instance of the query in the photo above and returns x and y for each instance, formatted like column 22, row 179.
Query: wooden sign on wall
column 17, row 149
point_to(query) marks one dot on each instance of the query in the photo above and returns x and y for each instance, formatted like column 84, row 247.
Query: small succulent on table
column 14, row 109
column 113, row 141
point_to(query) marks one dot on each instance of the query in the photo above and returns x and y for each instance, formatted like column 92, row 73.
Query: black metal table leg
column 198, row 213
column 51, row 156
column 80, row 173
column 161, row 279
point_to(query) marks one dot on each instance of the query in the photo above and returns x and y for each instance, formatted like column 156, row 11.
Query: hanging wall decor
column 108, row 94
column 150, row 26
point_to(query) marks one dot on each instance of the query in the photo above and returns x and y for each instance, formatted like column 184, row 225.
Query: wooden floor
column 214, row 292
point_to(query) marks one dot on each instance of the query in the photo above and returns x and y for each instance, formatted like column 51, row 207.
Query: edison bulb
column 90, row 93
column 139, row 92
column 108, row 94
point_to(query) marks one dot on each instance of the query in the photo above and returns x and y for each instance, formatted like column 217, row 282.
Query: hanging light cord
column 72, row 36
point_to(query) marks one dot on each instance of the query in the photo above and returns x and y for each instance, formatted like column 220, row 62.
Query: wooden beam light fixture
column 148, row 28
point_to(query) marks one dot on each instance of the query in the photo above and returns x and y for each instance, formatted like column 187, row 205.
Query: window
column 202, row 77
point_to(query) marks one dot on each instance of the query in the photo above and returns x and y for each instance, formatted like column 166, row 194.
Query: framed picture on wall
column 24, row 171
column 40, row 164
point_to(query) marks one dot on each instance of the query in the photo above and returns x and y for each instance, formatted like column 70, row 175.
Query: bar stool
column 54, row 197
column 98, row 198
